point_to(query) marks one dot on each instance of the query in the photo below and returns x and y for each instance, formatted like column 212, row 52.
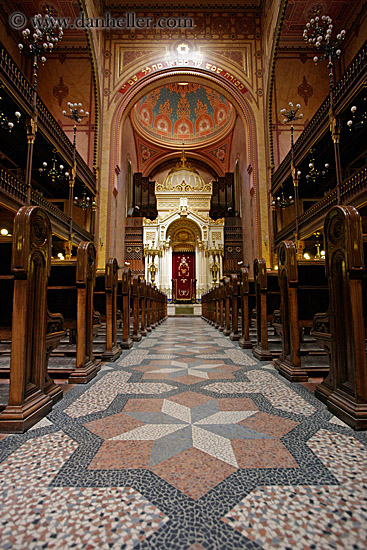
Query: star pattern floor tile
column 187, row 370
column 185, row 442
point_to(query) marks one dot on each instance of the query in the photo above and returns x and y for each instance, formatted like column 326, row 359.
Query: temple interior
column 183, row 221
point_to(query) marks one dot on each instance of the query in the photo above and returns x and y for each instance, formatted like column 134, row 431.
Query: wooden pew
column 24, row 306
column 70, row 291
column 99, row 304
column 204, row 307
column 221, row 303
column 211, row 306
column 267, row 302
column 248, row 302
column 143, row 307
column 304, row 291
column 149, row 306
column 227, row 292
column 159, row 307
column 124, row 292
column 321, row 332
column 208, row 306
column 217, row 304
column 163, row 300
column 135, row 295
column 165, row 306
column 113, row 349
column 235, row 288
column 153, row 306
column 345, row 389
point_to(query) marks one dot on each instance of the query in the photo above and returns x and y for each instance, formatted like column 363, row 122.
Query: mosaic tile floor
column 186, row 442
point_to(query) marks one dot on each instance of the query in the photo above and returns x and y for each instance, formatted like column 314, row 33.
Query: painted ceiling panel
column 189, row 113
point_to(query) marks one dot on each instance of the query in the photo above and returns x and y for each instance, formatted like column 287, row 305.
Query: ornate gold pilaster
column 31, row 136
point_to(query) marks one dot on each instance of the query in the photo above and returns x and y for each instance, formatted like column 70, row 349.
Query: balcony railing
column 354, row 186
column 23, row 92
column 318, row 210
column 17, row 191
column 350, row 190
column 346, row 86
column 13, row 187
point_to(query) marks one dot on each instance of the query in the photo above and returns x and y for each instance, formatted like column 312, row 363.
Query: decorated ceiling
column 180, row 113
column 298, row 12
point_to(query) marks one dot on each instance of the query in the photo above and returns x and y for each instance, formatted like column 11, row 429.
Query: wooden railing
column 18, row 192
column 349, row 191
column 319, row 209
column 13, row 187
column 353, row 186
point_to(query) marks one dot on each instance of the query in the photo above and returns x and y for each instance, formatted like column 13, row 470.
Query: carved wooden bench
column 345, row 388
column 304, row 292
column 33, row 331
column 70, row 291
column 267, row 302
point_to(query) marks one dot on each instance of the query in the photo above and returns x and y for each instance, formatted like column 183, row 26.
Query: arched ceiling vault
column 183, row 114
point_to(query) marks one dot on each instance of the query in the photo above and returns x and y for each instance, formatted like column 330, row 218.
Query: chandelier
column 54, row 173
column 315, row 173
column 85, row 201
column 282, row 202
column 7, row 123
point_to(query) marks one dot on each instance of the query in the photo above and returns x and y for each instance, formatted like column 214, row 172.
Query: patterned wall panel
column 233, row 247
column 134, row 245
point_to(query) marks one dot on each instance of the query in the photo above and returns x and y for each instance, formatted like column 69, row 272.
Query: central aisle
column 186, row 442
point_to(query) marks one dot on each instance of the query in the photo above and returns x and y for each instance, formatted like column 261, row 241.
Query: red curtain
column 183, row 271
